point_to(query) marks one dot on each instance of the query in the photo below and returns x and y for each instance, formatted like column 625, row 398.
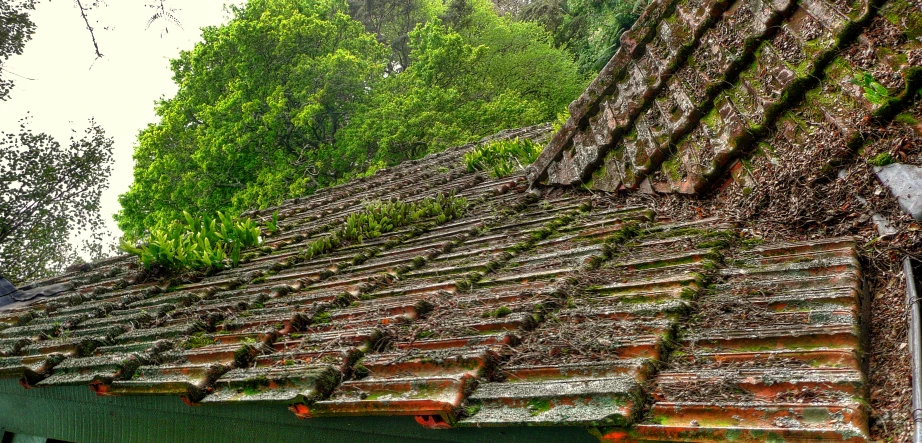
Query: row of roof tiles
column 699, row 89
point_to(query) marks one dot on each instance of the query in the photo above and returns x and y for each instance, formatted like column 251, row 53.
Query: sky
column 65, row 85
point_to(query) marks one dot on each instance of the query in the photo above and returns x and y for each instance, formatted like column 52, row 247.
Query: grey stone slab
column 905, row 182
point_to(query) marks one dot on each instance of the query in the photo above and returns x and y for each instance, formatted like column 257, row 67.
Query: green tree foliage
column 260, row 102
column 16, row 28
column 391, row 22
column 293, row 95
column 486, row 74
column 589, row 29
column 48, row 191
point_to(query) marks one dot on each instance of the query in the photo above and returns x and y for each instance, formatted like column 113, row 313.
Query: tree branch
column 89, row 28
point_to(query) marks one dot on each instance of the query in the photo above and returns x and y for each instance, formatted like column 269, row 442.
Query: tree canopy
column 589, row 29
column 16, row 28
column 260, row 102
column 48, row 191
column 292, row 95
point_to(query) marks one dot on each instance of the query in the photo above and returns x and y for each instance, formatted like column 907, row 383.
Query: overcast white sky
column 119, row 90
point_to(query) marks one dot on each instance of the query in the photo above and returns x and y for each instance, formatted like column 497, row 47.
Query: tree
column 588, row 29
column 260, row 104
column 471, row 75
column 16, row 28
column 48, row 191
column 294, row 95
column 391, row 22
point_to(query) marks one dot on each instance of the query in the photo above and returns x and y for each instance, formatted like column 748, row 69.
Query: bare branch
column 89, row 28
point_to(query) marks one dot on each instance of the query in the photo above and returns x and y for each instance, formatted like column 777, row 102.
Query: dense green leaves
column 196, row 243
column 293, row 95
column 259, row 105
column 502, row 157
column 589, row 29
column 16, row 28
column 48, row 191
column 463, row 84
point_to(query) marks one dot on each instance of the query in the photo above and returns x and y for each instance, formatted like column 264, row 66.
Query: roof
column 553, row 307
column 702, row 93
column 547, row 303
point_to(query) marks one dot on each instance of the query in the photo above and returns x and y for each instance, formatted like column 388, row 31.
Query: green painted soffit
column 75, row 413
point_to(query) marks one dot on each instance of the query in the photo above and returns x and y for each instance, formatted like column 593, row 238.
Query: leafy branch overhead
column 16, row 28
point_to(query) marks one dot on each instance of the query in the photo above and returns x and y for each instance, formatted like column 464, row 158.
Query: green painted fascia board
column 75, row 413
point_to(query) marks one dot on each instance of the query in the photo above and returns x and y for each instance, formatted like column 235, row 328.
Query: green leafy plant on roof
column 272, row 225
column 561, row 120
column 874, row 92
column 379, row 218
column 501, row 158
column 196, row 243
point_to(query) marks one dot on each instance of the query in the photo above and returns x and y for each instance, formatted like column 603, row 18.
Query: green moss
column 906, row 119
column 904, row 15
column 471, row 410
column 198, row 340
column 752, row 242
column 882, row 159
column 537, row 406
column 715, row 244
column 500, row 312
column 345, row 299
column 254, row 386
column 712, row 119
column 710, row 265
column 672, row 169
column 688, row 293
column 321, row 318
column 624, row 234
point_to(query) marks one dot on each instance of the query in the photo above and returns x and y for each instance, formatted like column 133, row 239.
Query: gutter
column 915, row 344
